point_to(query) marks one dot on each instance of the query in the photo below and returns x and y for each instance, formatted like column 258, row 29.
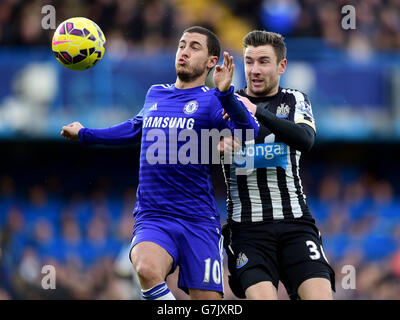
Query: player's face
column 262, row 70
column 192, row 58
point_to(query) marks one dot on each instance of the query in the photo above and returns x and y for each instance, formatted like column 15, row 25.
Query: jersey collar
column 242, row 92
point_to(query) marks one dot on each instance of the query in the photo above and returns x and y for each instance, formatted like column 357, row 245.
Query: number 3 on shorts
column 315, row 255
column 216, row 271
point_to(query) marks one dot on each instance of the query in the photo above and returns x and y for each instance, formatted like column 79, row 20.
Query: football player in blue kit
column 176, row 217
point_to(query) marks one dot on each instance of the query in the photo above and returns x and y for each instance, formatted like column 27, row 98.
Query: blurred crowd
column 154, row 25
column 377, row 24
column 360, row 225
column 150, row 25
column 86, row 238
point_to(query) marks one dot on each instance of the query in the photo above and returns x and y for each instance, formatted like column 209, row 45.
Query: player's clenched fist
column 71, row 131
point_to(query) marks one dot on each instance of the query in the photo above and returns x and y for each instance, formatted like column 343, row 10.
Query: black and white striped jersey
column 272, row 189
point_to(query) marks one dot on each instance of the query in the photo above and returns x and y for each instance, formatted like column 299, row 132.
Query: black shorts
column 290, row 251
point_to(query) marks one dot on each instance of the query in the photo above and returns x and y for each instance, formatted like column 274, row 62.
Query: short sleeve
column 303, row 111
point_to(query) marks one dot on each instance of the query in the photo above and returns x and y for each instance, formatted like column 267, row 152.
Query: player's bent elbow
column 307, row 146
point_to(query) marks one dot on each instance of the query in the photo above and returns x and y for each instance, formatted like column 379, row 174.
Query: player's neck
column 192, row 84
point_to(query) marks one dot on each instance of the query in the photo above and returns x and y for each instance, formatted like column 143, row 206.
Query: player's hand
column 71, row 131
column 248, row 104
column 223, row 74
column 229, row 144
column 225, row 115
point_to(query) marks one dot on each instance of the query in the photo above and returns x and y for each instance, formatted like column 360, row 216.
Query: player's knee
column 264, row 290
column 148, row 271
column 151, row 263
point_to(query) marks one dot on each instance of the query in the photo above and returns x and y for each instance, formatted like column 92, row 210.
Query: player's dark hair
column 213, row 44
column 261, row 37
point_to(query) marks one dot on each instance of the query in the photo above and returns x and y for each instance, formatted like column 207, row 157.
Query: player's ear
column 212, row 61
column 282, row 66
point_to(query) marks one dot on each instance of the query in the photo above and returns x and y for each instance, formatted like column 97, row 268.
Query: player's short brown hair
column 261, row 37
column 213, row 44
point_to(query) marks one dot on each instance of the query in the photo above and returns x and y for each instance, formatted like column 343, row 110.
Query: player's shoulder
column 297, row 101
column 293, row 96
column 160, row 90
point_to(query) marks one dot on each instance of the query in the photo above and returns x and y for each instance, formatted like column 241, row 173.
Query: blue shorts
column 195, row 247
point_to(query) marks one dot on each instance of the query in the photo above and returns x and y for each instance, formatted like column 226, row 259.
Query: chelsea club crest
column 190, row 107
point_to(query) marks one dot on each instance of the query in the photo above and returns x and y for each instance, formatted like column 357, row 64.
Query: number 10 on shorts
column 216, row 271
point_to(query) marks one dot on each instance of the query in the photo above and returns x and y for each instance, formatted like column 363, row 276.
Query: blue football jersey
column 174, row 179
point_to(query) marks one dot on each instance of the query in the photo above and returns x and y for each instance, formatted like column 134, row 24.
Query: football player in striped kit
column 270, row 235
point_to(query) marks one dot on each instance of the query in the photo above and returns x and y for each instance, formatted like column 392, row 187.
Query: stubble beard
column 191, row 74
column 270, row 85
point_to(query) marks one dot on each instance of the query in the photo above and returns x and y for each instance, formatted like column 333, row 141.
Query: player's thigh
column 197, row 294
column 151, row 255
column 200, row 259
column 153, row 250
column 252, row 259
column 315, row 289
column 263, row 290
column 302, row 257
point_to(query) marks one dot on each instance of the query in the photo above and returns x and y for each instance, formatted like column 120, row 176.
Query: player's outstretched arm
column 127, row 132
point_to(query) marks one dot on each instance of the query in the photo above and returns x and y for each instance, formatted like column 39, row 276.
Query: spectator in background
column 98, row 244
column 329, row 193
column 39, row 205
column 72, row 241
column 308, row 23
column 7, row 195
column 14, row 238
column 45, row 241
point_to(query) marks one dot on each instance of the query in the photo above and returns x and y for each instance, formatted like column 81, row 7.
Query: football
column 78, row 43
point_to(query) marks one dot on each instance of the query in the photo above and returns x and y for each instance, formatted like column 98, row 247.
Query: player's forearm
column 124, row 133
column 299, row 136
column 239, row 115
